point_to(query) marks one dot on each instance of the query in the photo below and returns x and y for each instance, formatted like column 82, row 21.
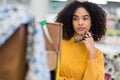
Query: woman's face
column 81, row 21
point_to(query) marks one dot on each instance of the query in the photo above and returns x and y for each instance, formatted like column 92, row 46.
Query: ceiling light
column 98, row 1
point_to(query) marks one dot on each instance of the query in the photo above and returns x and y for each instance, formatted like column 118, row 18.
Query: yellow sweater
column 75, row 64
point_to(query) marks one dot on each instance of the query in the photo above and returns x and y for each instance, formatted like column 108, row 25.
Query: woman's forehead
column 81, row 12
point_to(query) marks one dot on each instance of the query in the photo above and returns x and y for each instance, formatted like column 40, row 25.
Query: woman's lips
column 80, row 29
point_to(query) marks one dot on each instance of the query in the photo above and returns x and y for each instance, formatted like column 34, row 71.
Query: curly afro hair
column 97, row 14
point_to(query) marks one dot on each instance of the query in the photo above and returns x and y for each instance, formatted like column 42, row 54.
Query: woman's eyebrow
column 75, row 15
column 86, row 16
column 83, row 15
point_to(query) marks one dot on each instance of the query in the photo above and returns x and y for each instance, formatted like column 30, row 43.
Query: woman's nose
column 80, row 22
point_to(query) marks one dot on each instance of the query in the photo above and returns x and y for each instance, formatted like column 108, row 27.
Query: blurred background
column 110, row 44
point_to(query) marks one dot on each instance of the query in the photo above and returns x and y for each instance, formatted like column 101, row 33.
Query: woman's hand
column 89, row 42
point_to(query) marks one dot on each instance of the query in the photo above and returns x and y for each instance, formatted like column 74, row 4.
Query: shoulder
column 99, row 53
column 66, row 42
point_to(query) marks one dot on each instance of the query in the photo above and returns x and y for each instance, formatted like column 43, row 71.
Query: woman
column 83, row 23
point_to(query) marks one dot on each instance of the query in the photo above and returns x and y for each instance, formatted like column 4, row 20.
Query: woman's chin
column 80, row 33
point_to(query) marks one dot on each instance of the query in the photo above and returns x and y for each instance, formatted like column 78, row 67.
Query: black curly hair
column 97, row 14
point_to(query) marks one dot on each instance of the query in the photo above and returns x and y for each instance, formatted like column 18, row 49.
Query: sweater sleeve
column 95, row 68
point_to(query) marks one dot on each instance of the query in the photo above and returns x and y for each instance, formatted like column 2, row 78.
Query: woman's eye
column 75, row 18
column 85, row 18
